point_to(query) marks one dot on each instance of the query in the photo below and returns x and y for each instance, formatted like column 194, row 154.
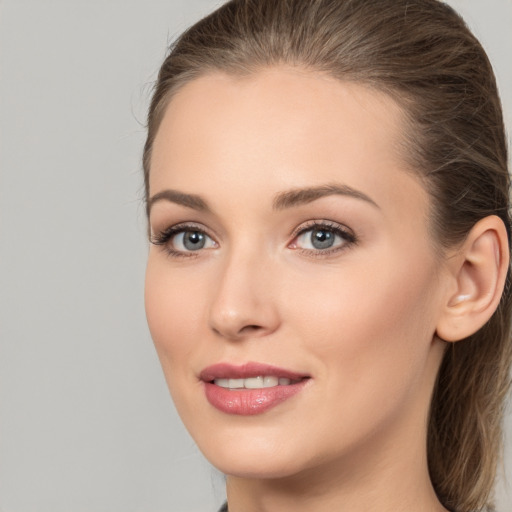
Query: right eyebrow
column 300, row 196
column 188, row 200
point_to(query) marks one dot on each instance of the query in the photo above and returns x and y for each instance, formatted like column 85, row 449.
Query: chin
column 252, row 466
column 253, row 454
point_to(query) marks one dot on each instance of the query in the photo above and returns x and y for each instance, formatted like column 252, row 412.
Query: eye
column 191, row 241
column 183, row 240
column 323, row 237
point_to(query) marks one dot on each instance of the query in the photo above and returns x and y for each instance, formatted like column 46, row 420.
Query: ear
column 478, row 270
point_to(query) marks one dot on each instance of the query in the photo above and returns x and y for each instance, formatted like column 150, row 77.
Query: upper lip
column 245, row 371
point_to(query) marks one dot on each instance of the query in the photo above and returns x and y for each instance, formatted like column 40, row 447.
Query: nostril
column 250, row 328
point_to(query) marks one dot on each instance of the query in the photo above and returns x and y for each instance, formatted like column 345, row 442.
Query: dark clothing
column 224, row 508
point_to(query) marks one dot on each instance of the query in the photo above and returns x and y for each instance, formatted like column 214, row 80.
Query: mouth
column 249, row 389
column 259, row 382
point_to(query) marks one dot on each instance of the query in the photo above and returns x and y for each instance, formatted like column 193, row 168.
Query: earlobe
column 479, row 270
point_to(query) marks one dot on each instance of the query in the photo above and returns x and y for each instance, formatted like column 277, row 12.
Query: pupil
column 193, row 240
column 322, row 239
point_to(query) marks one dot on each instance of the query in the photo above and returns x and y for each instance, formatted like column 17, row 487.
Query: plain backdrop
column 86, row 423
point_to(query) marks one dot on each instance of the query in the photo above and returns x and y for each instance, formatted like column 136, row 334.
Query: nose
column 245, row 301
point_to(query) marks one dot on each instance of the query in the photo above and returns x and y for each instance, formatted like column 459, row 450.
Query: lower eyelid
column 165, row 238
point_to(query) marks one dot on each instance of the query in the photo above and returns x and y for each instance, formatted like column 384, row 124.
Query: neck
column 388, row 486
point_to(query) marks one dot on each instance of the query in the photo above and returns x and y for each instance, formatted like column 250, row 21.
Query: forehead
column 278, row 128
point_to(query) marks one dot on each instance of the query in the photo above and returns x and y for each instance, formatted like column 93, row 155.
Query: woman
column 328, row 287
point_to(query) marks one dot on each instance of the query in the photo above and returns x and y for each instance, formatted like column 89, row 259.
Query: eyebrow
column 282, row 201
column 174, row 196
column 300, row 196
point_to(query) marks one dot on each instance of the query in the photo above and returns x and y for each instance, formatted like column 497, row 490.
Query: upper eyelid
column 322, row 223
column 183, row 226
column 301, row 228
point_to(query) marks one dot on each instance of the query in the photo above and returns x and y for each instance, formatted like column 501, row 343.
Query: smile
column 249, row 389
column 254, row 382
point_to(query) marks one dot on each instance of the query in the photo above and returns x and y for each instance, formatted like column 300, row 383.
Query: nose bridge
column 242, row 304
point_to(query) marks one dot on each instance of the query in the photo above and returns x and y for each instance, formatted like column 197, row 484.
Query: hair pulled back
column 422, row 54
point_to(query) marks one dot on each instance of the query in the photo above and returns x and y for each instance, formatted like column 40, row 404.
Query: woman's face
column 294, row 289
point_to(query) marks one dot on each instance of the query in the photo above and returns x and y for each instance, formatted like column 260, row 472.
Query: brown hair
column 421, row 53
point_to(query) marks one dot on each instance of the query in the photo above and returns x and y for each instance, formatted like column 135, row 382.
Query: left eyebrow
column 192, row 201
column 300, row 196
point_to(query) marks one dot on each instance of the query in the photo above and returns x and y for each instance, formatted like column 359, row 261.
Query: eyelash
column 346, row 234
column 349, row 238
column 166, row 235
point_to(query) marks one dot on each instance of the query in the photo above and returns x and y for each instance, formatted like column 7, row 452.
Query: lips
column 249, row 389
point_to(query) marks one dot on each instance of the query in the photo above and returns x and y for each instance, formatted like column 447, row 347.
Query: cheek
column 173, row 311
column 370, row 336
column 171, row 306
column 375, row 323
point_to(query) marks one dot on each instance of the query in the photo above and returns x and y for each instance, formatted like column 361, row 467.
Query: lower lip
column 248, row 402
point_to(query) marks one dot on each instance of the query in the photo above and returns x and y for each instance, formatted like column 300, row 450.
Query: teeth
column 235, row 383
column 270, row 382
column 253, row 382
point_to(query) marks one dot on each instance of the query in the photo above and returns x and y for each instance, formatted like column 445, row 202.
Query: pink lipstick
column 249, row 389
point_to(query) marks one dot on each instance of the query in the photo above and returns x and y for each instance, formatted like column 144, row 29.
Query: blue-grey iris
column 322, row 239
column 193, row 240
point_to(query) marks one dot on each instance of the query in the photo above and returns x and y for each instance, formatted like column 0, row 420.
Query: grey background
column 86, row 423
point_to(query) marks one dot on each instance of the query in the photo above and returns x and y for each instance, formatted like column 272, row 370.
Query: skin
column 360, row 321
